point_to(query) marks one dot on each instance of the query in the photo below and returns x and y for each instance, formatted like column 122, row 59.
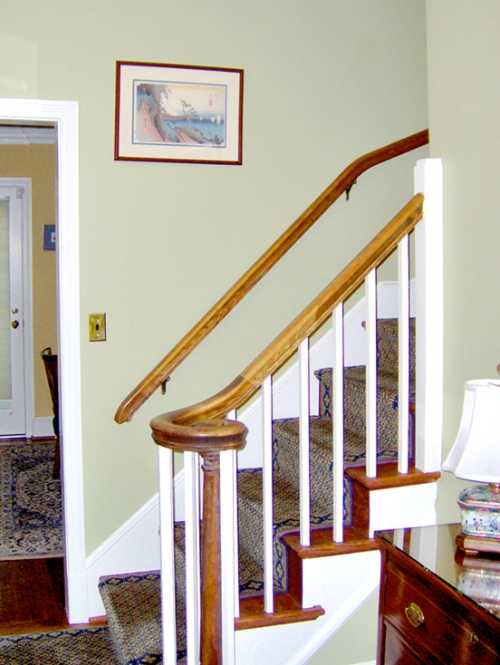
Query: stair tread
column 132, row 604
column 286, row 610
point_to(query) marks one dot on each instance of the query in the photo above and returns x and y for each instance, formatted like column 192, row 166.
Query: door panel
column 12, row 328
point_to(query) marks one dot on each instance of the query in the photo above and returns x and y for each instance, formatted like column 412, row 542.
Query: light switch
column 97, row 327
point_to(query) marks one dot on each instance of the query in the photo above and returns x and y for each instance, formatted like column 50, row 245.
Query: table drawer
column 423, row 622
column 396, row 652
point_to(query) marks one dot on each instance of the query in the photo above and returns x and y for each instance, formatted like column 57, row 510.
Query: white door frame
column 64, row 115
column 27, row 309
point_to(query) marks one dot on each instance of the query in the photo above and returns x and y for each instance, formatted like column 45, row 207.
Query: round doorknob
column 14, row 324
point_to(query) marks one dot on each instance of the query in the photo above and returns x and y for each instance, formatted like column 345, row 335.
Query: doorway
column 16, row 353
column 64, row 116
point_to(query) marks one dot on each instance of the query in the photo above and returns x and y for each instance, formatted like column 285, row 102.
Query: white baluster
column 404, row 354
column 371, row 375
column 192, row 530
column 228, row 554
column 304, row 445
column 267, row 481
column 169, row 627
column 233, row 416
column 337, row 405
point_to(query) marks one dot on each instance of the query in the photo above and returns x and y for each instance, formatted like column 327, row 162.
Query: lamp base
column 474, row 545
column 480, row 512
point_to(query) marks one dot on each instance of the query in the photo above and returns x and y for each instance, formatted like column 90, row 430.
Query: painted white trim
column 338, row 423
column 42, row 428
column 29, row 379
column 133, row 548
column 340, row 584
column 27, row 135
column 64, row 115
column 167, row 555
column 429, row 250
column 399, row 507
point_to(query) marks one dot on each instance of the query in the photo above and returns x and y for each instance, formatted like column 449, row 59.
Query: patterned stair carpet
column 30, row 499
column 85, row 646
column 132, row 602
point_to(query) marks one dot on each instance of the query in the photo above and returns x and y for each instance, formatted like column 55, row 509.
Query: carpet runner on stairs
column 132, row 602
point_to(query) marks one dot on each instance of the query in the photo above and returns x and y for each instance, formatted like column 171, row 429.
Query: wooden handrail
column 203, row 428
column 192, row 428
column 261, row 267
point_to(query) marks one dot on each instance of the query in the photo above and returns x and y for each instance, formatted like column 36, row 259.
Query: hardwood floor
column 32, row 596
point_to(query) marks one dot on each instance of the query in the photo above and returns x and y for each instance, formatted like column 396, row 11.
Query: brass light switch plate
column 97, row 327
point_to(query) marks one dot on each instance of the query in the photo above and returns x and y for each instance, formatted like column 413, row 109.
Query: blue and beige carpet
column 30, row 501
column 75, row 646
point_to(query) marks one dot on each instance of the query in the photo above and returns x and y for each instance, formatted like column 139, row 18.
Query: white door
column 14, row 322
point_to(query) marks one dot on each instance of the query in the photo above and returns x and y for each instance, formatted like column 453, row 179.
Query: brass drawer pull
column 474, row 639
column 414, row 615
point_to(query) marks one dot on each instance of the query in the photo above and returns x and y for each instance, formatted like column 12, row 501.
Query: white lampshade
column 476, row 453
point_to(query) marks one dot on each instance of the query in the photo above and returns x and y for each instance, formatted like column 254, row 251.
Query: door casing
column 64, row 116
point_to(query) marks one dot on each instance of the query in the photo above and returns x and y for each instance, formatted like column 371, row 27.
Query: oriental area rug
column 30, row 501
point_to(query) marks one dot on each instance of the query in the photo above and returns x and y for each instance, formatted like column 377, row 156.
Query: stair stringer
column 340, row 584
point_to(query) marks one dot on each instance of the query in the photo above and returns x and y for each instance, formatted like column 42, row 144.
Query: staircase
column 132, row 602
column 302, row 557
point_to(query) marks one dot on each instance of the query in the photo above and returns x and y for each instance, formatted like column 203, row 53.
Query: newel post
column 208, row 438
column 211, row 575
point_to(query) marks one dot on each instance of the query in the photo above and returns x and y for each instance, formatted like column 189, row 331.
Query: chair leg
column 56, row 469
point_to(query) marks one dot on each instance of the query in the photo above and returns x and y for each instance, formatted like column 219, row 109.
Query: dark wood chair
column 51, row 370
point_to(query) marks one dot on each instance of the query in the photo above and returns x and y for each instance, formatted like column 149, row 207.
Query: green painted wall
column 356, row 641
column 464, row 99
column 324, row 83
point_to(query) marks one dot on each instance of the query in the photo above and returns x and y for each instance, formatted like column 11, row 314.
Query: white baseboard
column 133, row 548
column 42, row 428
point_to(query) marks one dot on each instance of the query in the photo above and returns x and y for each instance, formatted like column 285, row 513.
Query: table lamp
column 476, row 456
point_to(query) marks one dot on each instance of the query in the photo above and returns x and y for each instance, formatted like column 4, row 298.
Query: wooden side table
column 434, row 608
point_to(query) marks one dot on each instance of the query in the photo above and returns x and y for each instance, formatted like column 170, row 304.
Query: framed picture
column 178, row 113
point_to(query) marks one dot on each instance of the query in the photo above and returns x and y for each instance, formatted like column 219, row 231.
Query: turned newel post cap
column 201, row 436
